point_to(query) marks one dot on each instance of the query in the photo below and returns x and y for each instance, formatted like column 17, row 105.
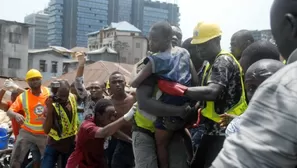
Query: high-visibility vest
column 209, row 110
column 34, row 119
column 285, row 62
column 69, row 128
column 143, row 122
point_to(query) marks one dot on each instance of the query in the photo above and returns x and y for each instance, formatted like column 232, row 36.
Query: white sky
column 231, row 15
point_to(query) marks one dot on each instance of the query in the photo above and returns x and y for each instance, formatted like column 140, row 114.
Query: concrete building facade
column 121, row 37
column 71, row 20
column 13, row 49
column 48, row 61
column 39, row 32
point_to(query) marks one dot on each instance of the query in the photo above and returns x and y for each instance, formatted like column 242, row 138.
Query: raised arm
column 79, row 81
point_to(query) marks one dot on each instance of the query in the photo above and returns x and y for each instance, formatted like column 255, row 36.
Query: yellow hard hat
column 33, row 73
column 204, row 32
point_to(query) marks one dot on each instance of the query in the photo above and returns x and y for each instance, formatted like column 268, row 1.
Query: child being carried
column 170, row 64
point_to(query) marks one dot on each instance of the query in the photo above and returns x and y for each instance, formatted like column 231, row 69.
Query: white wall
column 13, row 50
column 34, row 60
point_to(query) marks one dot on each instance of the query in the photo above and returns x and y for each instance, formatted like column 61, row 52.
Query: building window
column 54, row 66
column 136, row 60
column 123, row 60
column 42, row 65
column 132, row 34
column 14, row 63
column 15, row 38
column 137, row 45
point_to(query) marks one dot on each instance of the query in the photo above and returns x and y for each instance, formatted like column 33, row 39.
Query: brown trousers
column 23, row 144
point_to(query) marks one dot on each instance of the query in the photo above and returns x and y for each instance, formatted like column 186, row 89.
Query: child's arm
column 194, row 74
column 142, row 75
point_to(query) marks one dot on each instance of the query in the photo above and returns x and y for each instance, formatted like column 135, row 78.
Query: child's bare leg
column 162, row 140
column 188, row 143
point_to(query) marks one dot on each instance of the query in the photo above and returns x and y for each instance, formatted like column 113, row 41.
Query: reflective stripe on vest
column 284, row 62
column 142, row 121
column 237, row 109
column 69, row 129
column 35, row 128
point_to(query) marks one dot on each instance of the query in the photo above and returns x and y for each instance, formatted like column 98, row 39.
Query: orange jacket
column 33, row 107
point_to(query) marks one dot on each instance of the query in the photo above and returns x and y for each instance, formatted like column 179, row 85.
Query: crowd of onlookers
column 194, row 105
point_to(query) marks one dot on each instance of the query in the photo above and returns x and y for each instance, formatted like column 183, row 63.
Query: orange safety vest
column 33, row 107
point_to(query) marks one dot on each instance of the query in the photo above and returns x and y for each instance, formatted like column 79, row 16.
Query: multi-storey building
column 147, row 12
column 122, row 37
column 13, row 49
column 119, row 10
column 71, row 20
column 39, row 32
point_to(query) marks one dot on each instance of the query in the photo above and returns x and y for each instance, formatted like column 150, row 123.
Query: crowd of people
column 194, row 105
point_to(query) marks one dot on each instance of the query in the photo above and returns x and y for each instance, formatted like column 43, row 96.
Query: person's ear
column 293, row 23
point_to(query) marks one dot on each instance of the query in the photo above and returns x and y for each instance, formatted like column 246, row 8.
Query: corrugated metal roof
column 102, row 50
column 39, row 50
column 99, row 71
column 124, row 26
column 121, row 26
column 60, row 49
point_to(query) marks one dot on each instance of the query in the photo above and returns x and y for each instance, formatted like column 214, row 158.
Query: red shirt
column 89, row 151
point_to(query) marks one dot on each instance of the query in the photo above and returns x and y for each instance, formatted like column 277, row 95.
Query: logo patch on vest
column 38, row 110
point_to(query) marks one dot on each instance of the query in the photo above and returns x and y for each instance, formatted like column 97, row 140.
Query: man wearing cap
column 32, row 102
column 221, row 90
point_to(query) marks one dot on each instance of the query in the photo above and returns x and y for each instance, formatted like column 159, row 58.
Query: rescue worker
column 61, row 125
column 143, row 127
column 96, row 89
column 240, row 41
column 266, row 138
column 32, row 102
column 222, row 90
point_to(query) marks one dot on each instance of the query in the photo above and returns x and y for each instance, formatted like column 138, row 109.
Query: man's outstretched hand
column 226, row 119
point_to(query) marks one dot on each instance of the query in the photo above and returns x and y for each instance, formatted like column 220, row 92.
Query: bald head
column 283, row 20
column 259, row 72
column 240, row 41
